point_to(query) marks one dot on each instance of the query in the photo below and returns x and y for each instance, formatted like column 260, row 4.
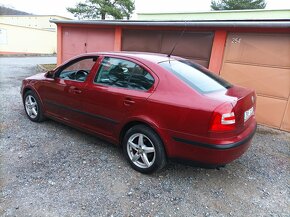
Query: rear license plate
column 248, row 114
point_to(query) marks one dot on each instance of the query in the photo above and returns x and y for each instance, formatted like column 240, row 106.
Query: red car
column 156, row 107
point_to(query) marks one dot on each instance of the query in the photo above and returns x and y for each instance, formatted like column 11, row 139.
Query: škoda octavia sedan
column 155, row 106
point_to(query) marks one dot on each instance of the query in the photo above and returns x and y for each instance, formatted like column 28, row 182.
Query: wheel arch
column 26, row 89
column 135, row 122
column 30, row 88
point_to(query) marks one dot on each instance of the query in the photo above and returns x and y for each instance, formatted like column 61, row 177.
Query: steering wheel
column 81, row 74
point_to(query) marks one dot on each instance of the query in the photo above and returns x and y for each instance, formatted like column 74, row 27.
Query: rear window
column 196, row 76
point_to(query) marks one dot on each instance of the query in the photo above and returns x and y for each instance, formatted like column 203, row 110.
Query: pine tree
column 237, row 4
column 96, row 9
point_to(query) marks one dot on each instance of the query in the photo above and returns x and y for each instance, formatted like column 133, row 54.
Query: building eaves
column 283, row 23
column 28, row 27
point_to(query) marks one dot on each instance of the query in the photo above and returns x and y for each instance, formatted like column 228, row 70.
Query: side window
column 114, row 72
column 140, row 79
column 79, row 70
column 123, row 73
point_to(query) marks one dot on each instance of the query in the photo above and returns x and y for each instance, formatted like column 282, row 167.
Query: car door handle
column 76, row 90
column 128, row 101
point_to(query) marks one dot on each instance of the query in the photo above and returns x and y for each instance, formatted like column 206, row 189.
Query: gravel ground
column 49, row 169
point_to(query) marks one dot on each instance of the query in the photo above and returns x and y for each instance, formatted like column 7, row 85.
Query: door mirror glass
column 50, row 74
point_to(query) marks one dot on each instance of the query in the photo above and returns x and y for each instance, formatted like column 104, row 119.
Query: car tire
column 144, row 149
column 33, row 107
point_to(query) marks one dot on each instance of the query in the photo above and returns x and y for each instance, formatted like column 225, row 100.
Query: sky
column 58, row 7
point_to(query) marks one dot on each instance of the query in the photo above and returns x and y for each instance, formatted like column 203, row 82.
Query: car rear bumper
column 210, row 153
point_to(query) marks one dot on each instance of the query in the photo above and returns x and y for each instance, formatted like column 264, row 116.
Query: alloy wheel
column 141, row 150
column 31, row 106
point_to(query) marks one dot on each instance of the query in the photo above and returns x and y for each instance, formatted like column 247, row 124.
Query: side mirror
column 49, row 74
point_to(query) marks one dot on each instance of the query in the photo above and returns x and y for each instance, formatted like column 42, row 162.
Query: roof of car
column 152, row 57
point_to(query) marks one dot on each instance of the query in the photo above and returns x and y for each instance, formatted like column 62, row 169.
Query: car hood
column 38, row 76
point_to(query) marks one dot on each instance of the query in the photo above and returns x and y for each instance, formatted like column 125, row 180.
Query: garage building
column 250, row 53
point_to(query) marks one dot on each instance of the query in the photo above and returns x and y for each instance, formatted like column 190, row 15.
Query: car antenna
column 176, row 42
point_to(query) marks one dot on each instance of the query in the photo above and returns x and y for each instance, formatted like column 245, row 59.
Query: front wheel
column 144, row 149
column 32, row 107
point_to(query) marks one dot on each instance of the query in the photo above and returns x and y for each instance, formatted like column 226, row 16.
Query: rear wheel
column 33, row 107
column 144, row 149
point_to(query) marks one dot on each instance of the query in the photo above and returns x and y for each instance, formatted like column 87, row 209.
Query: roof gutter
column 222, row 23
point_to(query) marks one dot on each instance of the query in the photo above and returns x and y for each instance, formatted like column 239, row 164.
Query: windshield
column 195, row 76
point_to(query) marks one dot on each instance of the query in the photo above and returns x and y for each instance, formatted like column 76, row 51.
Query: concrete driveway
column 49, row 169
column 25, row 61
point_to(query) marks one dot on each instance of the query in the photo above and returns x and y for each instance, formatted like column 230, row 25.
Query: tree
column 237, row 4
column 96, row 9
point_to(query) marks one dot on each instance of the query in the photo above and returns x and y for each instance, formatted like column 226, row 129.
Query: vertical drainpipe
column 59, row 44
column 118, row 39
column 217, row 51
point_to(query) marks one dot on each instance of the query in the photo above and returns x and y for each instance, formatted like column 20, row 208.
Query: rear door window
column 196, row 77
column 123, row 73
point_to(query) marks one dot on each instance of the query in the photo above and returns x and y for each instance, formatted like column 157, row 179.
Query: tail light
column 223, row 118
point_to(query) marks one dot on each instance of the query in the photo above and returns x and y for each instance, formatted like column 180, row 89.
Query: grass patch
column 48, row 67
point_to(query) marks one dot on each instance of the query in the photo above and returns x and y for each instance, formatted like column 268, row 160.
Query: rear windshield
column 196, row 76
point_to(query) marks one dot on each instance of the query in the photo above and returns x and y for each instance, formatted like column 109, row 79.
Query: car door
column 119, row 90
column 63, row 94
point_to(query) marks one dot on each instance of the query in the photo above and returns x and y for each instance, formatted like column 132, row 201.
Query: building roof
column 9, row 11
column 33, row 15
column 31, row 21
column 282, row 23
column 256, row 14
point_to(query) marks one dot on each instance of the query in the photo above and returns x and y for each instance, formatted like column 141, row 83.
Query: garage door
column 262, row 62
column 193, row 45
column 84, row 40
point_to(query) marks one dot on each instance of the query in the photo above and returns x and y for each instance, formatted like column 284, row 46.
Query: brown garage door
column 192, row 45
column 262, row 62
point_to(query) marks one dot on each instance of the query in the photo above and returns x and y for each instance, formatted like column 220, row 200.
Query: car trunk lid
column 243, row 103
